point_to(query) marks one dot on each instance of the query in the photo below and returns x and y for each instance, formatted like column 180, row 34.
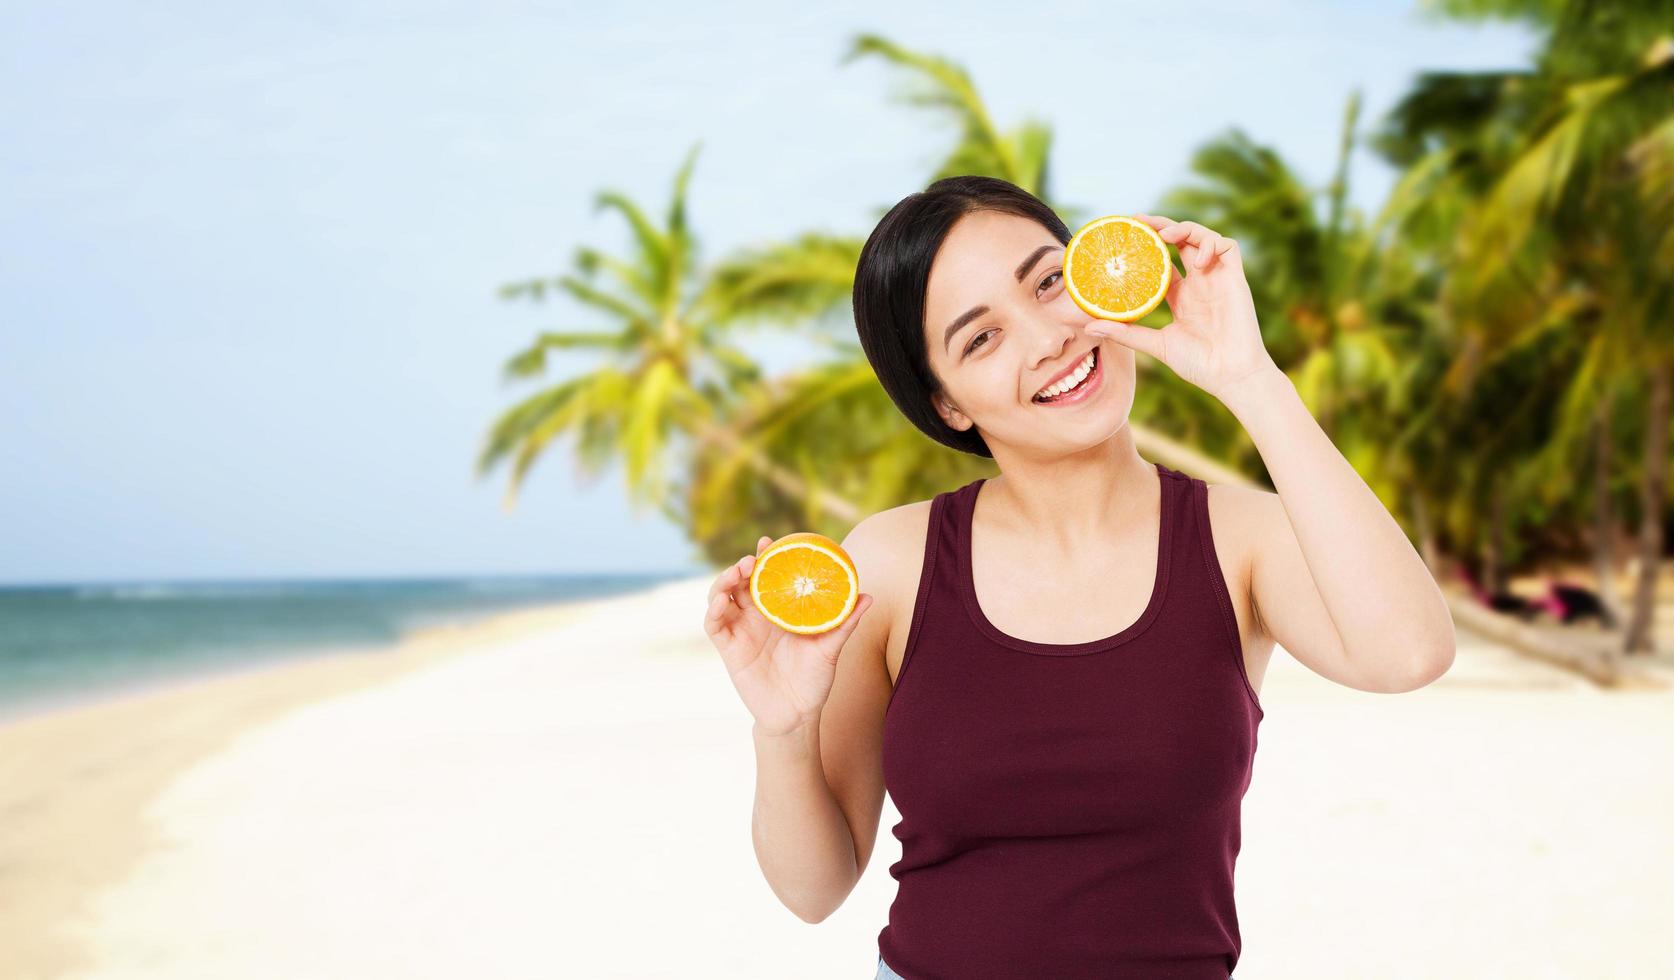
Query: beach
column 567, row 790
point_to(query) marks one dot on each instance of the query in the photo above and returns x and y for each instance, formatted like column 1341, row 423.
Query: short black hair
column 890, row 285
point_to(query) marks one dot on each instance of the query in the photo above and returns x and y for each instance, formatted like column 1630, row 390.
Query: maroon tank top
column 1069, row 810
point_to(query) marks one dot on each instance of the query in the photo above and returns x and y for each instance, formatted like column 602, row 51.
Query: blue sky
column 248, row 258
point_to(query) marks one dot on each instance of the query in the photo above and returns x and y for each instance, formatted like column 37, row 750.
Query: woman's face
column 1026, row 332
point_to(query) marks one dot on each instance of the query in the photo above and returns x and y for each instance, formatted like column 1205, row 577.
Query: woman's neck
column 1092, row 496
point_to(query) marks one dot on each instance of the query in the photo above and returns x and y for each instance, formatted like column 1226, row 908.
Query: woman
column 1060, row 690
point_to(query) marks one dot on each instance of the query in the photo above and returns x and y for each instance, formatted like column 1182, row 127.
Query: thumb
column 1130, row 336
column 862, row 603
column 833, row 640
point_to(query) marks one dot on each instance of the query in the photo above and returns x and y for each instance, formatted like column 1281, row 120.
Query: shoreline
column 76, row 779
column 50, row 705
column 33, row 698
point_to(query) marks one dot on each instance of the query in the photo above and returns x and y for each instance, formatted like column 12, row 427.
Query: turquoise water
column 69, row 643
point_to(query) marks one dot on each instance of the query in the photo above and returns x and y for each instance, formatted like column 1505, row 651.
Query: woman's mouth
column 1088, row 386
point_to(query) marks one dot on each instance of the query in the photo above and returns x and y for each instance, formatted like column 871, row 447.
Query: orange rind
column 1117, row 268
column 805, row 583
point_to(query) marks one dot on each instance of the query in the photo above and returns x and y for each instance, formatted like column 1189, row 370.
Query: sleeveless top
column 1069, row 810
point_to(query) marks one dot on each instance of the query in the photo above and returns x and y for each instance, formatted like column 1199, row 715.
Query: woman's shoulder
column 888, row 549
column 893, row 535
column 1239, row 512
column 1239, row 516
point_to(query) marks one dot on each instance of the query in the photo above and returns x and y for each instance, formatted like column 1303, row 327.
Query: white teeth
column 1070, row 382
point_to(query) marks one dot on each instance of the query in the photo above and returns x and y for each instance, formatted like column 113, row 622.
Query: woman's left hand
column 1213, row 340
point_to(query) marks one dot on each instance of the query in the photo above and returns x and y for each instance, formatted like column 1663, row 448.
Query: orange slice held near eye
column 1116, row 268
column 805, row 583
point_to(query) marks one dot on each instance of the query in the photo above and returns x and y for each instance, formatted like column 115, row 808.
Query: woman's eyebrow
column 976, row 311
column 1029, row 263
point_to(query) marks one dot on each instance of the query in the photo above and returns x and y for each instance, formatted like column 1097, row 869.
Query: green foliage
column 1461, row 347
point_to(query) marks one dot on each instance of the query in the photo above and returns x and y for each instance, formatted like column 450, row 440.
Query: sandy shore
column 567, row 793
column 75, row 783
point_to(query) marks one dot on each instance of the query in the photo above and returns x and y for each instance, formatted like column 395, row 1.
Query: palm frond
column 516, row 423
column 591, row 412
column 653, row 244
column 589, row 260
column 941, row 84
column 789, row 283
column 601, row 300
column 682, row 246
column 647, row 418
column 531, row 361
column 1601, row 119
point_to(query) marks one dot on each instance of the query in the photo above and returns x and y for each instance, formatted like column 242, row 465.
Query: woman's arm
column 1325, row 527
column 1325, row 537
column 801, row 838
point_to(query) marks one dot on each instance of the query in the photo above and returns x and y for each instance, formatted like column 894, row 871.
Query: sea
column 65, row 644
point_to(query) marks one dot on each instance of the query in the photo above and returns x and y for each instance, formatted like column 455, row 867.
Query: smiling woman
column 965, row 311
column 891, row 289
column 1059, row 704
column 1064, row 702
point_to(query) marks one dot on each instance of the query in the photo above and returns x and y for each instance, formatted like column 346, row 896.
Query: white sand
column 576, row 803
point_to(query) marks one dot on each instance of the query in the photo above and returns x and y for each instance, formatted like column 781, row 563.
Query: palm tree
column 672, row 371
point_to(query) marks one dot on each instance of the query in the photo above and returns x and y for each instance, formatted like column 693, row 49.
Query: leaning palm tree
column 670, row 377
column 826, row 422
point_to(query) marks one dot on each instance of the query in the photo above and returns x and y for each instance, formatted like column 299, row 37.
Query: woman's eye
column 975, row 340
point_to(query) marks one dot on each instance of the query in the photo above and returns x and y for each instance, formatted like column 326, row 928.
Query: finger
column 1145, row 339
column 762, row 542
column 1172, row 295
column 1191, row 238
column 745, row 566
column 730, row 579
column 1184, row 233
column 719, row 586
column 1176, row 233
column 715, row 617
column 848, row 625
column 723, row 580
column 1227, row 251
column 1206, row 251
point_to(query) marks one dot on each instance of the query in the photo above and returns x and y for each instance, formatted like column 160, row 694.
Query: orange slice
column 805, row 583
column 1116, row 268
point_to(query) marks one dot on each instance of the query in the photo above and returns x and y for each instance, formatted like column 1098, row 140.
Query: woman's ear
column 954, row 418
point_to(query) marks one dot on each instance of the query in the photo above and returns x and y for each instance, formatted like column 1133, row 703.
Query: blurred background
column 382, row 386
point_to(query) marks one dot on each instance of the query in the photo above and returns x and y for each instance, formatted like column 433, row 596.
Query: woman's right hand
column 783, row 678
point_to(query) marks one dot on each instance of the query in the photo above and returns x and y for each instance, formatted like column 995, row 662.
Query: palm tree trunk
column 1175, row 455
column 1493, row 555
column 1179, row 456
column 1651, row 489
column 1604, row 531
column 1426, row 533
column 787, row 480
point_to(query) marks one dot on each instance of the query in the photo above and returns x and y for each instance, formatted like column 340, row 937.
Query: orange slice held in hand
column 1116, row 268
column 805, row 583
